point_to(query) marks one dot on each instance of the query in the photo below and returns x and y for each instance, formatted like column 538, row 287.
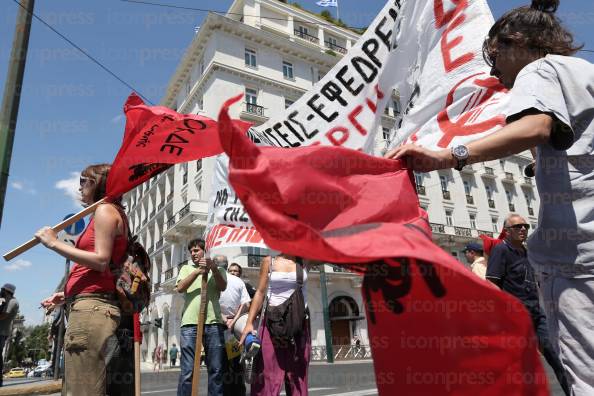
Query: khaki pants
column 88, row 343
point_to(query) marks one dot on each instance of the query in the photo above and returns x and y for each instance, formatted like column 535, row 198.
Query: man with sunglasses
column 509, row 269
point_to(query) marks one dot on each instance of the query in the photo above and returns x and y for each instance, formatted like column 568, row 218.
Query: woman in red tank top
column 94, row 314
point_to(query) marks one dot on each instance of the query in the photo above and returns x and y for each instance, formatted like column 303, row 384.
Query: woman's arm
column 258, row 299
column 106, row 230
column 523, row 134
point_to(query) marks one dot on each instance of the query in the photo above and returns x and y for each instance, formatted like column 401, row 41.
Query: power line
column 85, row 53
column 237, row 13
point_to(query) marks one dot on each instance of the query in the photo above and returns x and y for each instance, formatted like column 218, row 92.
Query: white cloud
column 23, row 186
column 117, row 118
column 18, row 265
column 70, row 188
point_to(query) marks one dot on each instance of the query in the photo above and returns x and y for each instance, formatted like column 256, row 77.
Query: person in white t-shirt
column 233, row 301
column 551, row 108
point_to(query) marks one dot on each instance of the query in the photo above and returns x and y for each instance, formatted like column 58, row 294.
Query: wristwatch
column 460, row 154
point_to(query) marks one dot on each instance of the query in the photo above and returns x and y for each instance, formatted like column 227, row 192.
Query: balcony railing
column 306, row 36
column 170, row 196
column 421, row 190
column 184, row 211
column 489, row 171
column 156, row 287
column 487, row 233
column 168, row 274
column 184, row 179
column 335, row 47
column 461, row 231
column 530, row 211
column 437, row 228
column 144, row 221
column 150, row 250
column 159, row 244
column 153, row 213
column 491, row 203
column 509, row 177
column 528, row 181
column 161, row 206
column 254, row 109
column 469, row 199
column 170, row 222
column 512, row 207
column 446, row 194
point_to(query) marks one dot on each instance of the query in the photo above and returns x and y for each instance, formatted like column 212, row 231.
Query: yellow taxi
column 16, row 372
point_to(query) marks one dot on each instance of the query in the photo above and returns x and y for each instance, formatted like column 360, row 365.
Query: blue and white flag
column 328, row 3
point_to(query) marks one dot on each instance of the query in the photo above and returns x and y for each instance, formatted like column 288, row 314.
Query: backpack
column 133, row 284
column 286, row 321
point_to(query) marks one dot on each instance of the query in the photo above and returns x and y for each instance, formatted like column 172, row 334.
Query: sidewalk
column 32, row 388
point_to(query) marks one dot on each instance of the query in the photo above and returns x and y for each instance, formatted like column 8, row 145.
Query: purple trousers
column 282, row 364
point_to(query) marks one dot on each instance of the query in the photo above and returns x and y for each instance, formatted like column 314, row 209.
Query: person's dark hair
column 532, row 27
column 196, row 242
column 98, row 173
column 238, row 267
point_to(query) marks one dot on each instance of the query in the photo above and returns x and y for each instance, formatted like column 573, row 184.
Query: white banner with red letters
column 428, row 52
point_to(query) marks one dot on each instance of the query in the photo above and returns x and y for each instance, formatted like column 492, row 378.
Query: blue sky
column 71, row 110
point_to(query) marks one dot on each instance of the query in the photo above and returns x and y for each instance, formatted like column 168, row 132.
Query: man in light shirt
column 474, row 256
column 233, row 301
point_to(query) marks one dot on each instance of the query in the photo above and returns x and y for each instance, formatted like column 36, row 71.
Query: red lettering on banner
column 379, row 93
column 235, row 235
column 463, row 126
column 453, row 19
column 353, row 119
column 343, row 137
column 255, row 237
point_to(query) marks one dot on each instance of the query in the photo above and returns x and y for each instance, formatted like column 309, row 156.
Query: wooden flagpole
column 57, row 228
column 199, row 334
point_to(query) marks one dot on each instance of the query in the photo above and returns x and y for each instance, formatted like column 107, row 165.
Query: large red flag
column 435, row 328
column 157, row 137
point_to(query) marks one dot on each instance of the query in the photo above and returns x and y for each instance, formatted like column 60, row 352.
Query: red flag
column 434, row 327
column 489, row 243
column 157, row 137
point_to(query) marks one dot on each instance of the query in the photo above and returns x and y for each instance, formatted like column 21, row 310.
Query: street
column 339, row 379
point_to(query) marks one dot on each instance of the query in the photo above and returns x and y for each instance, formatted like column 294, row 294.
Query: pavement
column 345, row 378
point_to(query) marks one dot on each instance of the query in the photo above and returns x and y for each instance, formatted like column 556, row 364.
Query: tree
column 36, row 343
column 17, row 351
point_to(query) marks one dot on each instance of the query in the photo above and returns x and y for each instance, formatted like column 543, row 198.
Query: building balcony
column 437, row 228
column 253, row 112
column 527, row 182
column 530, row 211
column 421, row 190
column 156, row 287
column 487, row 233
column 491, row 203
column 170, row 196
column 488, row 173
column 153, row 213
column 150, row 250
column 307, row 37
column 187, row 222
column 335, row 47
column 464, row 232
column 468, row 169
column 509, row 178
column 184, row 179
column 446, row 194
column 144, row 222
column 469, row 199
column 161, row 206
column 512, row 207
column 167, row 275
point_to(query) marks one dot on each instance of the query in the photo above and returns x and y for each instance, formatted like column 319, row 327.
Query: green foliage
column 36, row 343
column 17, row 351
column 330, row 52
column 297, row 5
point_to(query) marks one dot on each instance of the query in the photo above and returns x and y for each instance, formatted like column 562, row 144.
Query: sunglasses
column 85, row 180
column 520, row 226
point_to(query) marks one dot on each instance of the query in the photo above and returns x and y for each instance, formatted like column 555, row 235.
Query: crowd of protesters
column 552, row 273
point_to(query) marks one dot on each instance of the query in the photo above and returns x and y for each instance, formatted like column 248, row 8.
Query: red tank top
column 85, row 280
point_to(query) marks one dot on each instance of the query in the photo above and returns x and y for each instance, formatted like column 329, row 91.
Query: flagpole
column 337, row 12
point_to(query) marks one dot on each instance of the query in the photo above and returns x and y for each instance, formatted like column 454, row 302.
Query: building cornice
column 314, row 55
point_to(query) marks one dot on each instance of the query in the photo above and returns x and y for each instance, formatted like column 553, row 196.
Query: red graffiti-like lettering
column 453, row 19
column 338, row 141
column 353, row 119
column 464, row 126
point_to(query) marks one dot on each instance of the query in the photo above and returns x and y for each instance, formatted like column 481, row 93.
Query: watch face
column 460, row 152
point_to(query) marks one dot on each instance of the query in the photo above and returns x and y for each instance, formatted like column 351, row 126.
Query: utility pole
column 326, row 313
column 12, row 92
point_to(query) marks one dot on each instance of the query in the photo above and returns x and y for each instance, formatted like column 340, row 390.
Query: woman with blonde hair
column 94, row 314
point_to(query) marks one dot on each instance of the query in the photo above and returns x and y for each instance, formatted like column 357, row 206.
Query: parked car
column 43, row 371
column 17, row 372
